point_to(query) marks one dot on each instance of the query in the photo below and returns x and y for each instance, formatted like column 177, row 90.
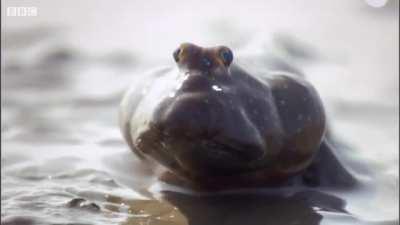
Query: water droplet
column 216, row 88
column 206, row 62
column 282, row 102
column 171, row 95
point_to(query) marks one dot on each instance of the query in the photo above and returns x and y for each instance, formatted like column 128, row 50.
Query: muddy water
column 63, row 74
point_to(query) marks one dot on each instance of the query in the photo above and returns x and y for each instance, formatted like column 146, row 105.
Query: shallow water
column 64, row 160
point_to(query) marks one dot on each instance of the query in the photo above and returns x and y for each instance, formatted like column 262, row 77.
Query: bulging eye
column 176, row 54
column 227, row 56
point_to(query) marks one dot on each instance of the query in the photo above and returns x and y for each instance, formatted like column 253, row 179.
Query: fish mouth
column 242, row 152
column 209, row 157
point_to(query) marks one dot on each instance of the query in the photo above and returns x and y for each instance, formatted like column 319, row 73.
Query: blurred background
column 65, row 69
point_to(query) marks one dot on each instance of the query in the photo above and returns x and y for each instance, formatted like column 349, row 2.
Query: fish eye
column 227, row 56
column 176, row 54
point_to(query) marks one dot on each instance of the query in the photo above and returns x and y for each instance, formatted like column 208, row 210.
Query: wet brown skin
column 224, row 127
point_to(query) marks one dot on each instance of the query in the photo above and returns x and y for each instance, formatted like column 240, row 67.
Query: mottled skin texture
column 223, row 127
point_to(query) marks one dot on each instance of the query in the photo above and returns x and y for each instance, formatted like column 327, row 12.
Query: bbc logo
column 22, row 11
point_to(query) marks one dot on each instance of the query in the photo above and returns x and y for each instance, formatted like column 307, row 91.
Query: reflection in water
column 301, row 208
column 150, row 212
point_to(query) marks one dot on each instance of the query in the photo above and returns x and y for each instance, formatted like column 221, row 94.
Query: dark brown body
column 221, row 126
